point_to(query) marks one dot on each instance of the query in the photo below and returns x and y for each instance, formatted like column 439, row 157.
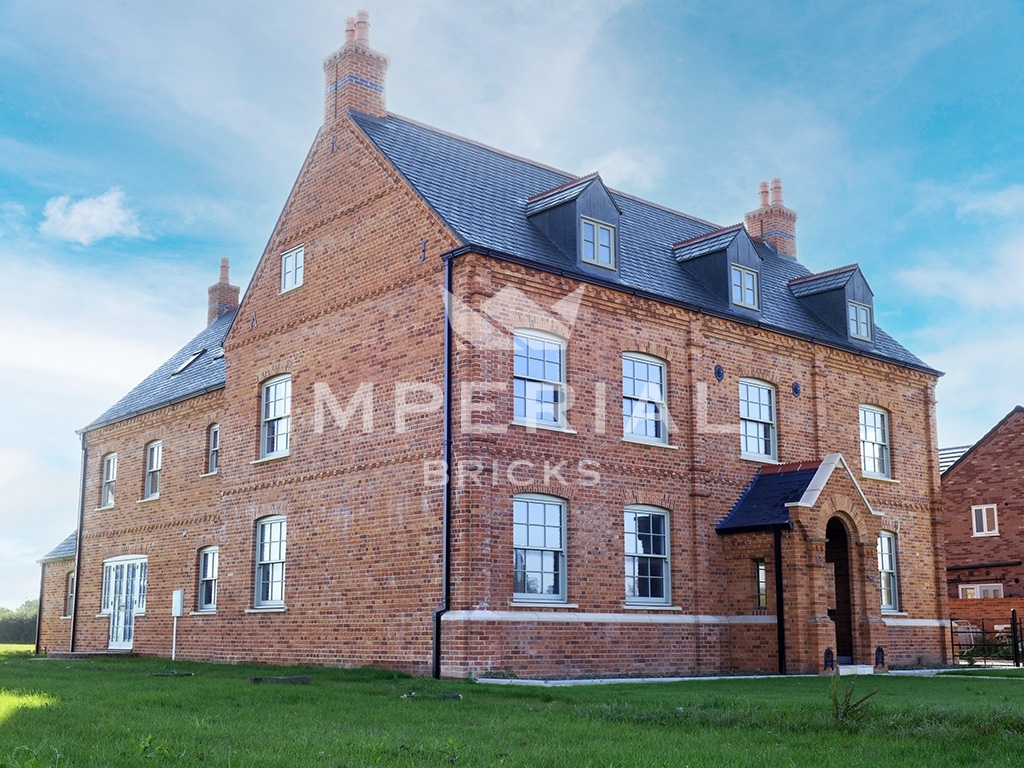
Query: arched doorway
column 837, row 552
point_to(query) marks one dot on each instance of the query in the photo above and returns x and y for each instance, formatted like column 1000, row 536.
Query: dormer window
column 598, row 242
column 744, row 287
column 860, row 321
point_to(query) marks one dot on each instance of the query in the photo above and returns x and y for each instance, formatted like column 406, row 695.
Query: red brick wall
column 992, row 473
column 54, row 625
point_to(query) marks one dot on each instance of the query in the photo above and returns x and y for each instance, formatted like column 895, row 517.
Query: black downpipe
column 447, row 508
column 780, row 610
column 78, row 545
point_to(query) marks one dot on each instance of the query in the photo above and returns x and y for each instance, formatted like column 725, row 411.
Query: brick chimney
column 223, row 297
column 354, row 74
column 773, row 221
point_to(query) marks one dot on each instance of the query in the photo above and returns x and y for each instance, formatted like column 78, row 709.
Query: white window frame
column 742, row 294
column 595, row 244
column 646, row 553
column 757, row 421
column 874, row 441
column 531, row 373
column 859, row 317
column 638, row 406
column 888, row 566
column 206, row 592
column 213, row 449
column 154, row 463
column 538, row 554
column 980, row 520
column 109, row 481
column 69, row 594
column 275, row 417
column 978, row 591
column 271, row 539
column 292, row 268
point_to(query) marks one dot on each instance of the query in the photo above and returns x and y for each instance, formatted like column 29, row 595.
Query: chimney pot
column 350, row 29
column 363, row 26
column 763, row 192
column 776, row 191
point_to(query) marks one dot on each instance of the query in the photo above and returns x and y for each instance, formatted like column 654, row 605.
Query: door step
column 79, row 655
column 856, row 669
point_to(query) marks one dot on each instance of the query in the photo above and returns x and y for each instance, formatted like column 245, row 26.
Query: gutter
column 446, row 592
column 78, row 546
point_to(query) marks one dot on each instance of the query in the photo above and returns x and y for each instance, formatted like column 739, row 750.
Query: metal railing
column 988, row 642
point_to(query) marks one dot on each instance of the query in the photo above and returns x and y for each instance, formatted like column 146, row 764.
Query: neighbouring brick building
column 983, row 502
column 669, row 447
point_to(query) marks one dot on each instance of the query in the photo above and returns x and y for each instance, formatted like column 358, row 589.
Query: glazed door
column 125, row 595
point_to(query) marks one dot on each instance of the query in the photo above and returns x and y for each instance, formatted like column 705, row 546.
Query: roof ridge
column 826, row 273
column 481, row 145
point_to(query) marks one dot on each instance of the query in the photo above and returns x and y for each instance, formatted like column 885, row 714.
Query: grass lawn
column 119, row 712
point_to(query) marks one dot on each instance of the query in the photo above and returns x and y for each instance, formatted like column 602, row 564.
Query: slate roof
column 705, row 244
column 823, row 281
column 763, row 503
column 163, row 387
column 483, row 194
column 62, row 551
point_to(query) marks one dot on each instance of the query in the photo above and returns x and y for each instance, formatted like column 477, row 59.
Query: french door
column 124, row 597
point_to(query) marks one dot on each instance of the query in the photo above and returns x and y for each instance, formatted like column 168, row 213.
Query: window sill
column 589, row 263
column 544, row 426
column 539, row 604
column 268, row 609
column 984, row 535
column 65, row 618
column 104, row 509
column 879, row 478
column 758, row 459
column 654, row 443
column 289, row 290
column 650, row 607
column 209, row 474
column 894, row 614
column 148, row 498
column 210, row 612
column 267, row 459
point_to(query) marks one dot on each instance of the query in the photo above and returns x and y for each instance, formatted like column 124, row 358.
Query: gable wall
column 993, row 473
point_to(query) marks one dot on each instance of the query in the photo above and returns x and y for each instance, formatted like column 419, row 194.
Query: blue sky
column 140, row 142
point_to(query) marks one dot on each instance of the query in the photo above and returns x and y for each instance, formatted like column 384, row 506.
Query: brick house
column 475, row 415
column 984, row 512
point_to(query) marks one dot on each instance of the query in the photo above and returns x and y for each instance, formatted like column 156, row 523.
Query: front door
column 837, row 552
column 124, row 588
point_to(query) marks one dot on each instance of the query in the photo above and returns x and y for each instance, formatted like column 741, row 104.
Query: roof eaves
column 148, row 409
column 700, row 309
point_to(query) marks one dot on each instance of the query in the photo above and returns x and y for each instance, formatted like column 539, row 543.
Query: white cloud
column 90, row 219
column 1003, row 203
column 990, row 277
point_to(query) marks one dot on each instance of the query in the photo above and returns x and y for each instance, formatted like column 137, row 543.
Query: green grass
column 115, row 712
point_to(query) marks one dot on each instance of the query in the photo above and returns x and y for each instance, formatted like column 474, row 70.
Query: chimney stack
column 354, row 74
column 223, row 297
column 773, row 222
